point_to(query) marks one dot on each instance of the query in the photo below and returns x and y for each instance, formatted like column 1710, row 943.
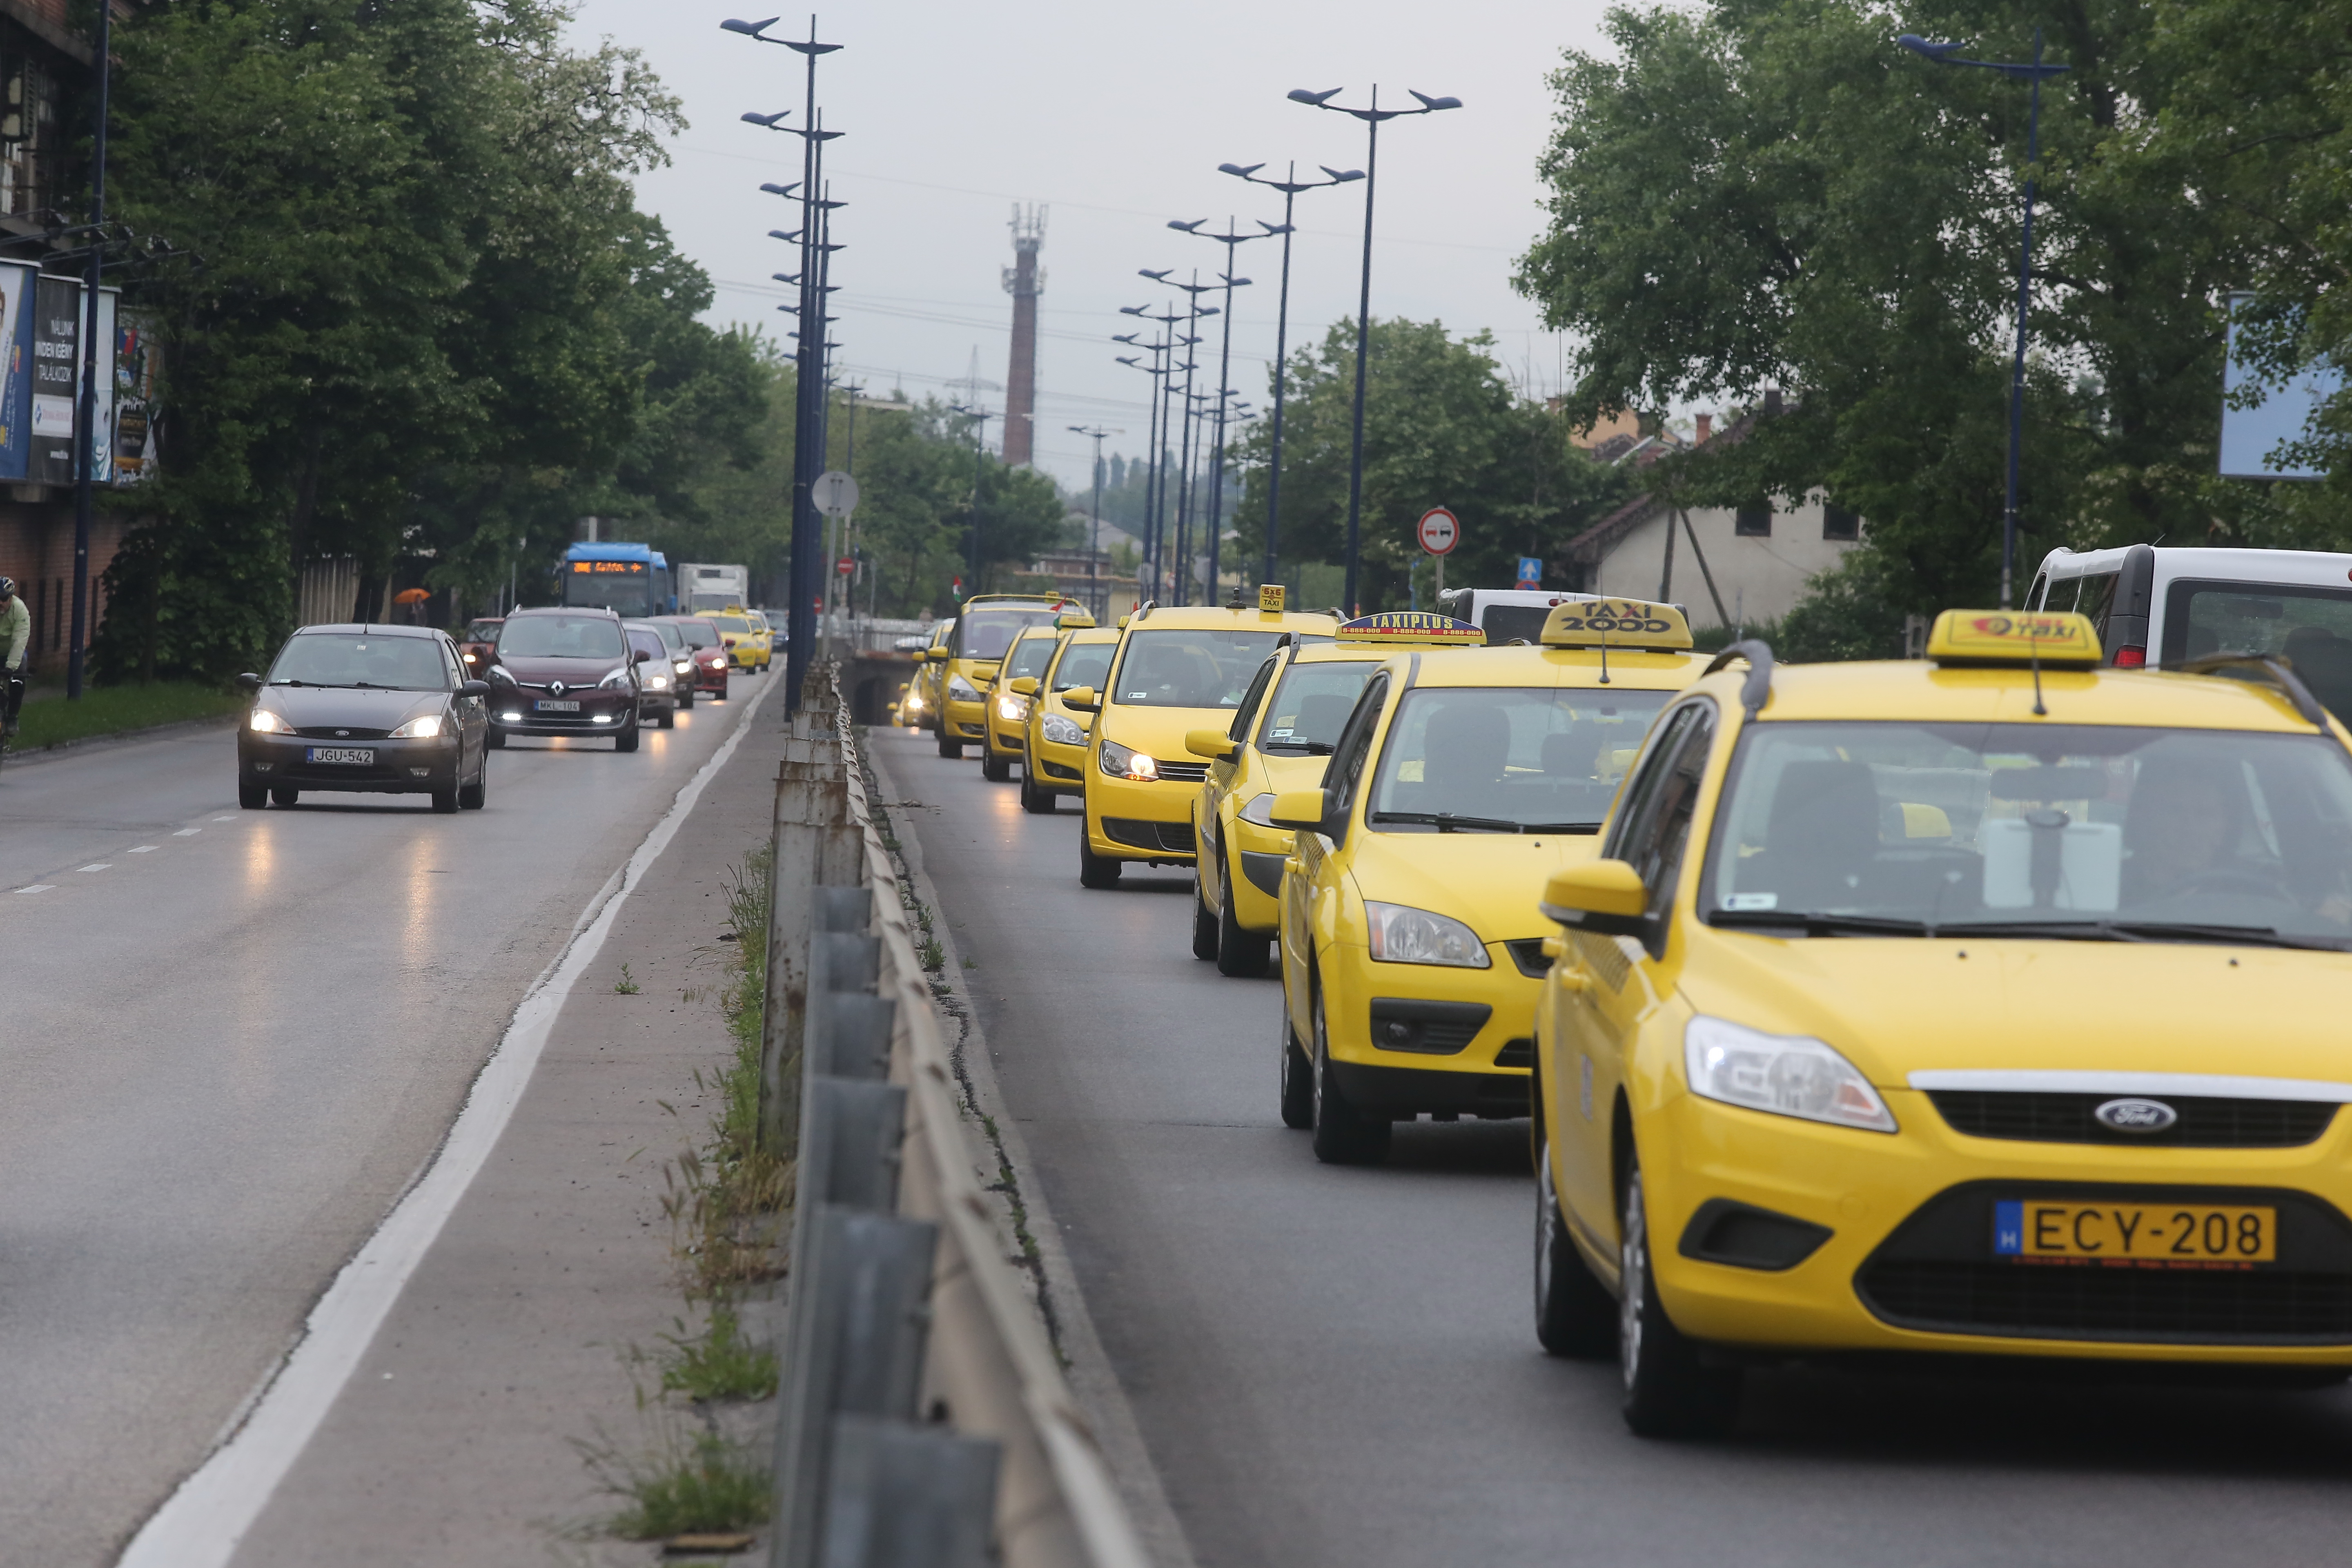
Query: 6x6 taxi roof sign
column 2006, row 637
column 1417, row 627
column 1616, row 622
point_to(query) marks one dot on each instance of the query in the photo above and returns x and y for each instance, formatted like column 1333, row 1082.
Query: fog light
column 263, row 767
column 601, row 719
column 418, row 772
column 510, row 718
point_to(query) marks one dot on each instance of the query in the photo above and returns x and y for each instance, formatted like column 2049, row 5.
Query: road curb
column 50, row 753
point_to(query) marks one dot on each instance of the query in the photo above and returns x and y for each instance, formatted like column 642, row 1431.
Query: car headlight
column 1058, row 730
column 1789, row 1075
column 1402, row 934
column 914, row 700
column 658, row 683
column 501, row 672
column 684, row 666
column 616, row 681
column 268, row 723
column 469, row 658
column 1013, row 707
column 422, row 729
column 962, row 690
column 1124, row 762
column 1260, row 810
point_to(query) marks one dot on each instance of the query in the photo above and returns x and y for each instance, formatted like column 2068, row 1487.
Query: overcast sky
column 1115, row 117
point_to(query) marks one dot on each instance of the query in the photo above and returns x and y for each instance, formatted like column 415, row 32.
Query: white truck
column 702, row 587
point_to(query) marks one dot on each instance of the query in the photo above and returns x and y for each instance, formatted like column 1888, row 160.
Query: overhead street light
column 1231, row 239
column 1094, row 541
column 1185, row 475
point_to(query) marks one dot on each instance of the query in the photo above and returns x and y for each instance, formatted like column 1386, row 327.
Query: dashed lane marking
column 38, row 888
column 188, row 833
column 142, row 849
column 223, row 819
column 99, row 866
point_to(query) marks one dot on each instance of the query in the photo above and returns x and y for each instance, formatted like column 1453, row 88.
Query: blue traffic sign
column 1531, row 572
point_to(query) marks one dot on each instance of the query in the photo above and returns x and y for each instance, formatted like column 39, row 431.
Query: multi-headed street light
column 1184, row 477
column 1230, row 239
column 980, row 418
column 1372, row 117
column 1094, row 540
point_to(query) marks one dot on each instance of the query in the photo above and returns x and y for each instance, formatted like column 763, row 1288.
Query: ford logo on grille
column 2135, row 1115
column 555, row 688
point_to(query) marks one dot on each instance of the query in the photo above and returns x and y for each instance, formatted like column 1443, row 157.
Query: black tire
column 476, row 796
column 949, row 747
column 1343, row 1134
column 724, row 683
column 497, row 738
column 685, row 700
column 1298, row 1076
column 1036, row 802
column 1241, row 953
column 1204, row 923
column 444, row 801
column 626, row 741
column 280, row 795
column 1574, row 1315
column 1095, row 870
column 668, row 719
column 993, row 768
column 252, row 797
column 1670, row 1391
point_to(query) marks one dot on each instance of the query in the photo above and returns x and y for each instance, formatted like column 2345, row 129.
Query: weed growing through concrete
column 690, row 1480
column 934, row 956
column 624, row 986
column 718, row 1362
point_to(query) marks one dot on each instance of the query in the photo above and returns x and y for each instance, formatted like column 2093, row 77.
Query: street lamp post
column 980, row 418
column 1094, row 540
column 1289, row 189
column 86, row 405
column 1943, row 55
column 1371, row 118
column 1184, row 477
column 1162, row 370
column 1228, row 239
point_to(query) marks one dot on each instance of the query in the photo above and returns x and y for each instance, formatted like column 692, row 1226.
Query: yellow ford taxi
column 746, row 645
column 1006, row 724
column 1988, row 1004
column 1174, row 670
column 1288, row 723
column 923, row 692
column 1054, row 763
column 1410, row 946
column 968, row 660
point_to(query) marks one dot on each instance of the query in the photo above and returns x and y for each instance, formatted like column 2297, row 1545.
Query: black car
column 369, row 709
column 565, row 672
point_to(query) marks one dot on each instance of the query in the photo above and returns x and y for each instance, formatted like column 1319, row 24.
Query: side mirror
column 935, row 654
column 480, row 689
column 1603, row 896
column 1024, row 686
column 248, row 682
column 1214, row 744
column 1299, row 808
column 642, row 658
column 1082, row 699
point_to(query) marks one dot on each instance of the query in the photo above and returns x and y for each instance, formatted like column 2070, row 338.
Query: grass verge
column 718, row 1362
column 689, row 1483
column 51, row 720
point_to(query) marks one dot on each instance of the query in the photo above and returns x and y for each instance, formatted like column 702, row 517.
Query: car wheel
column 1574, row 1316
column 282, row 796
column 949, row 747
column 626, row 741
column 1298, row 1076
column 497, row 738
column 476, row 796
column 1670, row 1391
column 1240, row 954
column 252, row 797
column 1344, row 1135
column 444, row 801
column 1034, row 801
column 1095, row 870
column 723, row 684
column 685, row 702
column 1204, row 922
column 668, row 719
column 993, row 768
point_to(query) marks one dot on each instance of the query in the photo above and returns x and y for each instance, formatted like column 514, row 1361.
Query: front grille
column 1518, row 1053
column 330, row 733
column 1173, row 837
column 2206, row 1121
column 1184, row 772
column 1529, row 955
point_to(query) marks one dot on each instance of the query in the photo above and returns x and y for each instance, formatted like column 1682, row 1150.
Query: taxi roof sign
column 1270, row 596
column 2059, row 639
column 1414, row 626
column 1616, row 624
column 1073, row 620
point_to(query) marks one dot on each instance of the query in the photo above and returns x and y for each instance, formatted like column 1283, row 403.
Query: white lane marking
column 99, row 866
column 39, row 888
column 200, row 1525
column 188, row 833
column 142, row 849
column 223, row 819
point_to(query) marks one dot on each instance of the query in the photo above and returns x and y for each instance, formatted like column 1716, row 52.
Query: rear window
column 986, row 634
column 736, row 624
column 1505, row 623
column 2310, row 628
column 698, row 634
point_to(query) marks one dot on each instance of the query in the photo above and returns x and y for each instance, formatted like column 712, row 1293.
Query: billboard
column 56, row 362
column 138, row 369
column 17, row 284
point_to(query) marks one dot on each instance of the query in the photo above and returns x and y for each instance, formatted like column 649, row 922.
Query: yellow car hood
column 1493, row 882
column 1159, row 732
column 1900, row 1005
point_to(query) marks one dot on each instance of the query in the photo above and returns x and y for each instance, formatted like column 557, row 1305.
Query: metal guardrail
column 924, row 1421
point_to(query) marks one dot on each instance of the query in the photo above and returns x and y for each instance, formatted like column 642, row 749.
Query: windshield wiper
column 1447, row 822
column 1815, row 923
column 2147, row 930
column 1559, row 828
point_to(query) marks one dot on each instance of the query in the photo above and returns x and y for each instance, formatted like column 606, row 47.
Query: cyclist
column 15, row 631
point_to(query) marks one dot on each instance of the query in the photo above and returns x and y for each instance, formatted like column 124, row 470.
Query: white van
column 1505, row 615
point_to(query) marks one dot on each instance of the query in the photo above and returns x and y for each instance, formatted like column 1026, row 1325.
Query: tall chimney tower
column 1024, row 280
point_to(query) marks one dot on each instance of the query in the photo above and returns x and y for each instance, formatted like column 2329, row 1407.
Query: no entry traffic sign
column 1439, row 531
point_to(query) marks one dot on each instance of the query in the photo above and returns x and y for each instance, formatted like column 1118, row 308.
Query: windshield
column 986, row 634
column 1204, row 669
column 352, row 658
column 1083, row 664
column 698, row 634
column 729, row 623
column 1311, row 704
column 1961, row 825
column 1030, row 657
column 1507, row 758
column 482, row 631
column 560, row 636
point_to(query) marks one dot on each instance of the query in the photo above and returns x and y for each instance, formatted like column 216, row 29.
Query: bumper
column 1258, row 853
column 600, row 713
column 1062, row 769
column 400, row 767
column 1432, row 1024
column 1006, row 737
column 662, row 701
column 1906, row 1263
column 964, row 720
column 1132, row 819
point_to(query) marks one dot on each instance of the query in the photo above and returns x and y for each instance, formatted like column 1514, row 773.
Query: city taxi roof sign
column 2012, row 637
column 1617, row 622
column 1073, row 620
column 1270, row 597
column 1416, row 627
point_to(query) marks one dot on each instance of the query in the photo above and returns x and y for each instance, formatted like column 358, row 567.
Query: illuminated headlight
column 510, row 718
column 1013, row 707
column 1402, row 934
column 424, row 728
column 1788, row 1075
column 684, row 666
column 616, row 681
column 601, row 719
column 1122, row 762
column 658, row 683
column 1061, row 730
column 962, row 690
column 914, row 700
column 1260, row 810
column 470, row 659
column 268, row 723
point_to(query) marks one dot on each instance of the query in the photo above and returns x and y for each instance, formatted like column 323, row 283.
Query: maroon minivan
column 565, row 672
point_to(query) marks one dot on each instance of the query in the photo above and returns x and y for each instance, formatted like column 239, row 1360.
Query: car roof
column 371, row 629
column 1644, row 669
column 1093, row 634
column 564, row 610
column 1208, row 618
column 1893, row 691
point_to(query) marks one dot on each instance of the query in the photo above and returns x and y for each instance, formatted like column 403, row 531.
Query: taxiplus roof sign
column 1411, row 626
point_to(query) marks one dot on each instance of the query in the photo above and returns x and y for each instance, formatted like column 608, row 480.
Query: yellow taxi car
column 1054, row 763
column 922, row 706
column 1173, row 671
column 1987, row 1004
column 1411, row 950
column 1006, row 726
column 984, row 629
column 747, row 648
column 1288, row 723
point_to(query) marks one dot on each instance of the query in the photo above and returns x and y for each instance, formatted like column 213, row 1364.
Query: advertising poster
column 138, row 368
column 57, row 355
column 16, row 290
column 101, row 436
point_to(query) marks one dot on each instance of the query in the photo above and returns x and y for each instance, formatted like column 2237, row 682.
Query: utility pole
column 86, row 406
column 1094, row 540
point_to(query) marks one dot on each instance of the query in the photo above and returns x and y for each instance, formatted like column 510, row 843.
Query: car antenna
column 1604, row 659
column 2034, row 651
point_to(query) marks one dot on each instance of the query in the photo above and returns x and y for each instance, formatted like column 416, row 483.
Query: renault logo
column 2135, row 1115
column 555, row 688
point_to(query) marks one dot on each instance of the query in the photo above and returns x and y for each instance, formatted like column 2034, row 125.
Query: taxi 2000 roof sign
column 1617, row 623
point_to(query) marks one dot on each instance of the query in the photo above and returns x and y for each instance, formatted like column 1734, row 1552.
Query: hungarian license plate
column 545, row 706
column 2139, row 1233
column 359, row 756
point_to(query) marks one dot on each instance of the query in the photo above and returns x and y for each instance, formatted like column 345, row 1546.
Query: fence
column 923, row 1418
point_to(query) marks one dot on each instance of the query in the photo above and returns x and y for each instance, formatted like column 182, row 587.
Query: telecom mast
column 1024, row 280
